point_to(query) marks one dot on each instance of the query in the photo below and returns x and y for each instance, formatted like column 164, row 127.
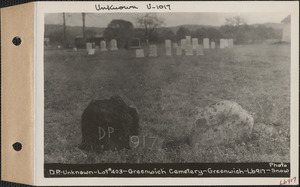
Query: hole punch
column 17, row 146
column 17, row 41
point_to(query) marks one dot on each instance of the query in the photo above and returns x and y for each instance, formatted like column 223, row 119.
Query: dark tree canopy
column 120, row 30
column 182, row 32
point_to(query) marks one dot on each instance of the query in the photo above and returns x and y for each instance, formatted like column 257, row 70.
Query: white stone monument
column 183, row 44
column 153, row 50
column 113, row 45
column 103, row 46
column 222, row 44
column 189, row 50
column 230, row 43
column 91, row 51
column 168, row 44
column 199, row 50
column 139, row 53
column 89, row 46
column 206, row 43
column 195, row 43
column 178, row 51
column 188, row 40
column 212, row 45
column 225, row 43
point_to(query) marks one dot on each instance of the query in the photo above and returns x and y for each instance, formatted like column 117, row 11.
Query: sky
column 170, row 19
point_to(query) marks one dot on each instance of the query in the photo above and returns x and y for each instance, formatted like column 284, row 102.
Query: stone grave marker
column 206, row 43
column 75, row 49
column 188, row 40
column 183, row 44
column 103, row 46
column 97, row 47
column 189, row 50
column 178, row 51
column 199, row 50
column 89, row 46
column 222, row 44
column 225, row 43
column 195, row 43
column 212, row 45
column 230, row 43
column 168, row 46
column 175, row 45
column 153, row 50
column 139, row 53
column 224, row 122
column 108, row 124
column 91, row 51
column 113, row 45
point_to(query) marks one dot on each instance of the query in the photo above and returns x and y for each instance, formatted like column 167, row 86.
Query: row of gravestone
column 91, row 50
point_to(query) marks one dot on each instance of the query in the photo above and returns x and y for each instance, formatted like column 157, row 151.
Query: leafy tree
column 120, row 30
column 182, row 32
column 148, row 23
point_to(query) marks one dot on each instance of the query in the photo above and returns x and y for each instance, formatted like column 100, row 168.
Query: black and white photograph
column 163, row 88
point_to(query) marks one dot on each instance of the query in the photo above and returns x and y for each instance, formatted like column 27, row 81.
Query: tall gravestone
column 183, row 44
column 113, row 45
column 226, row 43
column 139, row 53
column 108, row 124
column 222, row 44
column 189, row 50
column 103, row 46
column 212, row 45
column 153, row 50
column 89, row 46
column 178, row 51
column 199, row 50
column 195, row 43
column 206, row 43
column 168, row 46
column 230, row 43
column 188, row 40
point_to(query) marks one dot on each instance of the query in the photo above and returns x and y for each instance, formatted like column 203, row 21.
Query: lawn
column 167, row 92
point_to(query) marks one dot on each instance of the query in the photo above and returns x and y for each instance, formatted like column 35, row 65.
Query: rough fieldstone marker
column 189, row 50
column 188, row 40
column 113, row 45
column 103, row 46
column 230, row 43
column 221, row 123
column 139, row 53
column 212, row 45
column 168, row 47
column 226, row 43
column 108, row 125
column 199, row 50
column 175, row 45
column 89, row 46
column 195, row 43
column 75, row 49
column 178, row 51
column 91, row 52
column 222, row 44
column 183, row 44
column 206, row 43
column 153, row 50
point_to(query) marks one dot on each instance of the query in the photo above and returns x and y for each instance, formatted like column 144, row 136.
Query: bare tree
column 235, row 21
column 148, row 23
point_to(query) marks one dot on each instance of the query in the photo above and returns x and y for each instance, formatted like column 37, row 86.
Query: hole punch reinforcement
column 17, row 146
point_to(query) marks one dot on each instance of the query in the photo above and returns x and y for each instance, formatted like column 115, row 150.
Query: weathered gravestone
column 195, row 43
column 183, row 44
column 230, row 43
column 75, row 49
column 153, row 50
column 175, row 45
column 206, row 43
column 113, row 45
column 89, row 46
column 212, row 45
column 139, row 53
column 97, row 47
column 91, row 51
column 222, row 44
column 221, row 123
column 199, row 50
column 178, row 51
column 168, row 47
column 108, row 125
column 226, row 43
column 103, row 46
column 189, row 50
column 188, row 40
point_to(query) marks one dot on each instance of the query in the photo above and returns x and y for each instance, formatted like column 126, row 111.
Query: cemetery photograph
column 167, row 87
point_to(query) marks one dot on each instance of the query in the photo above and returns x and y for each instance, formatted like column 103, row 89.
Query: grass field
column 167, row 92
